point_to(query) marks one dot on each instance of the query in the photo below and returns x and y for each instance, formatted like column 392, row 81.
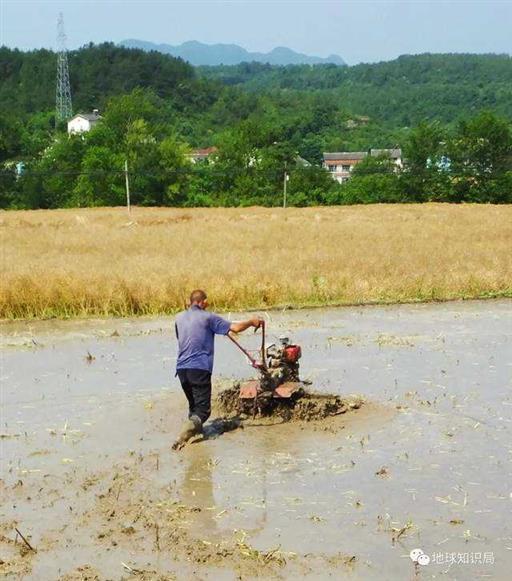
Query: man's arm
column 243, row 325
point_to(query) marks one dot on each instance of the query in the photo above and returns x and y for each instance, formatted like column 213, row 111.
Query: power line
column 162, row 173
column 63, row 105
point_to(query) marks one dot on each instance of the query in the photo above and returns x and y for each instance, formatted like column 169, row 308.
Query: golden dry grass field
column 99, row 261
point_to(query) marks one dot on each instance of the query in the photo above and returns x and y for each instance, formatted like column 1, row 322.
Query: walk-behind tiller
column 278, row 365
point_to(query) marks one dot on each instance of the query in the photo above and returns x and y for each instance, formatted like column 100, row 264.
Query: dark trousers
column 197, row 385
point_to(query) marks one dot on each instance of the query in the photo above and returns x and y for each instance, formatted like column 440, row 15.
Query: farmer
column 195, row 331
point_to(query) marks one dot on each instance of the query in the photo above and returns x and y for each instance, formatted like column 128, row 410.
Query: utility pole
column 127, row 182
column 63, row 106
column 285, row 182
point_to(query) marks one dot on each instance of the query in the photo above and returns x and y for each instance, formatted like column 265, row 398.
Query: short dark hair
column 197, row 296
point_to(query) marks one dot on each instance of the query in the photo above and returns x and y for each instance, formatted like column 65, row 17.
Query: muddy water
column 89, row 410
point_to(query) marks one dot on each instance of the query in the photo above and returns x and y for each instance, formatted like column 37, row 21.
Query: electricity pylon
column 63, row 108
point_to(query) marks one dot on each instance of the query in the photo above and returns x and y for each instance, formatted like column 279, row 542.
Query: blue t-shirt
column 196, row 329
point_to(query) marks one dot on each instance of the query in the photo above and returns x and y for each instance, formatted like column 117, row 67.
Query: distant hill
column 401, row 92
column 197, row 53
column 394, row 94
column 27, row 79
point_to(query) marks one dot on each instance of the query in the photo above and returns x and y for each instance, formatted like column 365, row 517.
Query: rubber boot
column 198, row 424
column 189, row 429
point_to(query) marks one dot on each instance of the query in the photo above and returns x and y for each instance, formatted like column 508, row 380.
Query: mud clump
column 302, row 406
column 312, row 407
column 227, row 400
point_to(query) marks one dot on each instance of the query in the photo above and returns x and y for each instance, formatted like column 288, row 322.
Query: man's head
column 199, row 298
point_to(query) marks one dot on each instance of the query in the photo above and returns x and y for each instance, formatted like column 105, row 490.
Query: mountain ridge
column 198, row 53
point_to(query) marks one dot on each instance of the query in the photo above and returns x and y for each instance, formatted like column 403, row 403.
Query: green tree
column 37, row 134
column 480, row 155
column 375, row 165
column 311, row 186
column 50, row 181
column 123, row 111
column 177, row 170
column 236, row 175
column 8, row 188
column 311, row 149
column 143, row 155
column 101, row 181
column 10, row 138
column 372, row 189
column 426, row 176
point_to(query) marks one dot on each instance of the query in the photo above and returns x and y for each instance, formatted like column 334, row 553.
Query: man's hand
column 256, row 322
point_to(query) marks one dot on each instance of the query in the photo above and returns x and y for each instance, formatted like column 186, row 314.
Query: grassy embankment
column 100, row 262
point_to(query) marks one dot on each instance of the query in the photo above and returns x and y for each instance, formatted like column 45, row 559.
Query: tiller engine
column 278, row 366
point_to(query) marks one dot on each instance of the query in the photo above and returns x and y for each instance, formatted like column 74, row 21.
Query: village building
column 395, row 155
column 201, row 155
column 341, row 164
column 83, row 122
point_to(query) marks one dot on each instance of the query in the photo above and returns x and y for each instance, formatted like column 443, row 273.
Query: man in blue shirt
column 195, row 330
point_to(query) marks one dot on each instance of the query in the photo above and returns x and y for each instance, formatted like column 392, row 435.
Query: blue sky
column 359, row 31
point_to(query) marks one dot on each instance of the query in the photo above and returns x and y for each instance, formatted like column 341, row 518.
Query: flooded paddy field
column 89, row 410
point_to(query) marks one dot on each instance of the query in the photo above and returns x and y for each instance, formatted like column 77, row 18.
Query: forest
column 450, row 115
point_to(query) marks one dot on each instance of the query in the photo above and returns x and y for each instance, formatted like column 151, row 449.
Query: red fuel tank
column 292, row 353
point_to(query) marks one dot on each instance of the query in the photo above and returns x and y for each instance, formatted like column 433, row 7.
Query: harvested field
column 80, row 262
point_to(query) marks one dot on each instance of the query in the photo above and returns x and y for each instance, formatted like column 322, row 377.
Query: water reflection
column 197, row 489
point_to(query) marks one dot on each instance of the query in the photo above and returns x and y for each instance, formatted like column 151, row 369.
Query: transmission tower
column 64, row 109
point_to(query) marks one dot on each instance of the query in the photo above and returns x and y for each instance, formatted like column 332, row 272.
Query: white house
column 342, row 163
column 83, row 122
